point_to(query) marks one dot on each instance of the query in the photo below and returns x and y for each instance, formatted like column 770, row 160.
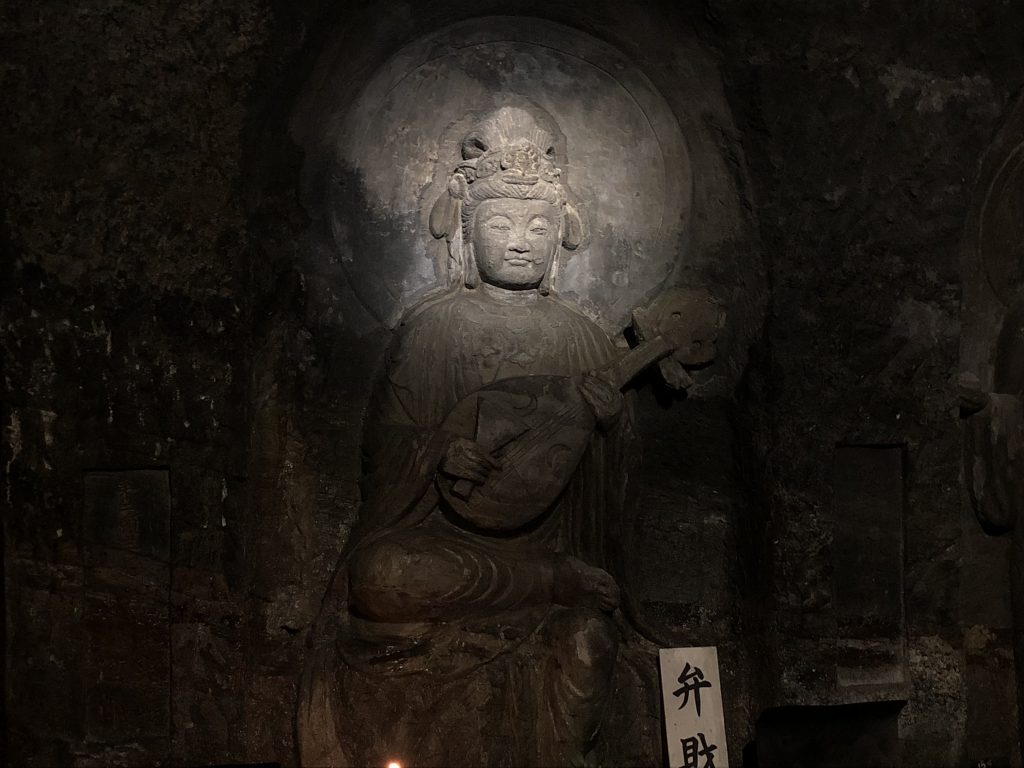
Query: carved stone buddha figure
column 502, row 323
column 993, row 461
column 498, row 456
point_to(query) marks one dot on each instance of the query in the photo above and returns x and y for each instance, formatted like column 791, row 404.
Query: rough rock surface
column 156, row 317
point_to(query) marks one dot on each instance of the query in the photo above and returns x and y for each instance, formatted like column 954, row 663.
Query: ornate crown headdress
column 508, row 155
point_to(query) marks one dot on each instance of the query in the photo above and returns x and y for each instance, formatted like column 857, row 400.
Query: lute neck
column 631, row 364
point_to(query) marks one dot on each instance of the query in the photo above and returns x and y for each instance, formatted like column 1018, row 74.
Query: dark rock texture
column 866, row 124
column 162, row 331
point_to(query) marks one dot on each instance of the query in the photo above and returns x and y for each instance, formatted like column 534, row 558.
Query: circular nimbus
column 1001, row 228
column 620, row 147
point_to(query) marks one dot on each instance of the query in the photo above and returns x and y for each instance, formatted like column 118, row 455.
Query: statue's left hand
column 603, row 398
column 576, row 583
column 466, row 459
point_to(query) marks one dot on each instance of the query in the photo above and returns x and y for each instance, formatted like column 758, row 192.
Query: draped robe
column 447, row 348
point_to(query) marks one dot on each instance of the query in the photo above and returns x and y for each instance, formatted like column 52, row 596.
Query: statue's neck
column 520, row 297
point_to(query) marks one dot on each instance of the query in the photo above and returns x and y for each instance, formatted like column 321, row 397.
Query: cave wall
column 866, row 127
column 126, row 320
column 181, row 415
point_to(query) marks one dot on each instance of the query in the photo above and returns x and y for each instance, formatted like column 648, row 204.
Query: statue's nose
column 519, row 245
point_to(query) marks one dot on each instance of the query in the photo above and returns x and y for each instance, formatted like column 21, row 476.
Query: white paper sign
column 692, row 697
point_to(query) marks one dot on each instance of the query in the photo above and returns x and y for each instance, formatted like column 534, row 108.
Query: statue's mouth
column 517, row 261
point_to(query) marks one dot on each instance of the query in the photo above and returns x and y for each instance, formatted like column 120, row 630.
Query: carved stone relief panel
column 499, row 451
column 507, row 195
column 991, row 387
column 126, row 535
column 867, row 572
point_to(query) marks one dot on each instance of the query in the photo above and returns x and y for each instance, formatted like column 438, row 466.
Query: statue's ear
column 444, row 216
column 573, row 234
column 470, row 271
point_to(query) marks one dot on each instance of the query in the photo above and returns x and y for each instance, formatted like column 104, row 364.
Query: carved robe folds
column 438, row 621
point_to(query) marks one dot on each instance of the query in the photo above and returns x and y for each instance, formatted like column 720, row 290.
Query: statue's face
column 515, row 241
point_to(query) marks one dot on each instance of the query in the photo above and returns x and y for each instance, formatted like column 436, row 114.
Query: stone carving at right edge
column 991, row 388
column 993, row 457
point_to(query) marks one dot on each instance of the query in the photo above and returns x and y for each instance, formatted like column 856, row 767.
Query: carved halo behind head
column 508, row 155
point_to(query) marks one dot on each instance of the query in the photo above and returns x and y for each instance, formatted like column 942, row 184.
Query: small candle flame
column 394, row 764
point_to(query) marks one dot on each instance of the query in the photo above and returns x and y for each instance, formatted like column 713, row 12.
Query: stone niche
column 653, row 176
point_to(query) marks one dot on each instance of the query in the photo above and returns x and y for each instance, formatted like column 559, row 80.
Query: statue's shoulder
column 429, row 312
column 571, row 310
column 581, row 323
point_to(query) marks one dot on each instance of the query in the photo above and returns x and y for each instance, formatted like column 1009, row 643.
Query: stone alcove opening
column 667, row 204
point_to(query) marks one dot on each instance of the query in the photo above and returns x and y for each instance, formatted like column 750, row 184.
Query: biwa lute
column 538, row 428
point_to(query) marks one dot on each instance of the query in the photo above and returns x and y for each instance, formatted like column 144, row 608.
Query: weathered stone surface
column 864, row 147
column 476, row 597
column 992, row 412
column 124, row 330
column 158, row 314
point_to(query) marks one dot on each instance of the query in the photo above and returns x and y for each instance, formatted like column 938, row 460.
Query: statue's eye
column 539, row 230
column 500, row 226
column 538, row 227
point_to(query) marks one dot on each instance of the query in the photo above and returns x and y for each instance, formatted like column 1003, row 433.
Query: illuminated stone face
column 515, row 241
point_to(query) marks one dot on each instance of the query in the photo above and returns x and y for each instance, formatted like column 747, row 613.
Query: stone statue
column 993, row 456
column 992, row 385
column 473, row 618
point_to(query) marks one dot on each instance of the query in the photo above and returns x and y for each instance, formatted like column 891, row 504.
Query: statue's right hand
column 971, row 396
column 467, row 460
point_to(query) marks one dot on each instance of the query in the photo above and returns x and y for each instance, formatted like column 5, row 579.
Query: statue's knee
column 377, row 581
column 589, row 636
column 404, row 578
